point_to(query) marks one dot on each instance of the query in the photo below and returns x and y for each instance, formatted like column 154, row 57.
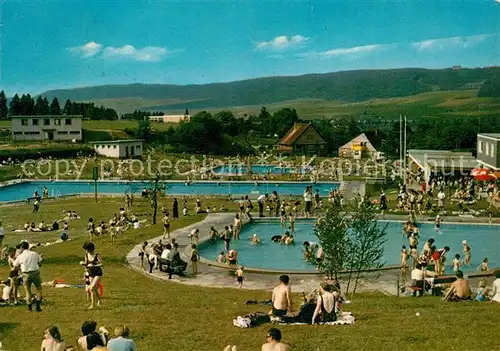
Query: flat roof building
column 487, row 150
column 46, row 128
column 119, row 148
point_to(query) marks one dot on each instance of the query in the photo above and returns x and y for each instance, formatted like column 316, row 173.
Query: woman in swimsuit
column 93, row 262
column 325, row 306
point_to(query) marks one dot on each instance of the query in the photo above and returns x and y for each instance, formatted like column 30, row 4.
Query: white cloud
column 282, row 42
column 351, row 51
column 146, row 54
column 443, row 43
column 88, row 50
column 354, row 51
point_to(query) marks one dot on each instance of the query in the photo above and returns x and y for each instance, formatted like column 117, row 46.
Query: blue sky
column 60, row 44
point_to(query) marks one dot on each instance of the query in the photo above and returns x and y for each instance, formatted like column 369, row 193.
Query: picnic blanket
column 346, row 318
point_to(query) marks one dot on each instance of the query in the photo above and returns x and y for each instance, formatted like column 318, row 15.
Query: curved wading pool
column 484, row 241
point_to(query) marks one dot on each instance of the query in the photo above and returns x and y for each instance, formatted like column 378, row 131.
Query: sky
column 68, row 43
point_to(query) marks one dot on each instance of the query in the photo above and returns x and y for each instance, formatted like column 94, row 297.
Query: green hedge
column 21, row 154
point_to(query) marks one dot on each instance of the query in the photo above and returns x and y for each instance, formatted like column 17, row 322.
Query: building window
column 46, row 122
column 138, row 146
column 24, row 122
column 57, row 122
column 31, row 133
column 480, row 147
column 18, row 133
column 35, row 121
column 74, row 132
column 492, row 150
column 67, row 121
column 62, row 133
column 109, row 146
column 114, row 146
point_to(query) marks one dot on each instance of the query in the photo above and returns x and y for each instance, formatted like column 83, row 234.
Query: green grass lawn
column 166, row 315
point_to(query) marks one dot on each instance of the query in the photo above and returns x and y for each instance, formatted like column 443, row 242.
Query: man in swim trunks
column 459, row 290
column 282, row 298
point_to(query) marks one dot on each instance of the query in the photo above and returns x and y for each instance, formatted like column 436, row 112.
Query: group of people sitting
column 91, row 339
column 164, row 257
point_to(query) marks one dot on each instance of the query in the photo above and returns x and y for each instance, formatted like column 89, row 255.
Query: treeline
column 26, row 105
column 140, row 115
column 224, row 133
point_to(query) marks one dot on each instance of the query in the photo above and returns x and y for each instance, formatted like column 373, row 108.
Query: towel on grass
column 344, row 319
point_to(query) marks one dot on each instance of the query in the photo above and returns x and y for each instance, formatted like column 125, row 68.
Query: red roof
column 294, row 133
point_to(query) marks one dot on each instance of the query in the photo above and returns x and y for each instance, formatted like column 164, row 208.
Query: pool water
column 484, row 241
column 22, row 191
column 256, row 169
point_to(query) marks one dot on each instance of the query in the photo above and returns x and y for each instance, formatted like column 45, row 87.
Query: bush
column 21, row 154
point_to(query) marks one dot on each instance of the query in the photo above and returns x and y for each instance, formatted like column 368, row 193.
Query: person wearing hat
column 255, row 239
column 274, row 341
column 467, row 253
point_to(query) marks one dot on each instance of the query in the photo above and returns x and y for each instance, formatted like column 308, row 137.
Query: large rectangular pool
column 22, row 191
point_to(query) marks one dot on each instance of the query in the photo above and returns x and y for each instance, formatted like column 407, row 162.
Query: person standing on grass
column 175, row 209
column 166, row 226
column 195, row 257
column 93, row 262
column 52, row 340
column 274, row 341
column 29, row 262
column 2, row 235
column 36, row 205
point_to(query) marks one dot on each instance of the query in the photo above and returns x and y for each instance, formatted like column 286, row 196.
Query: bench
column 177, row 268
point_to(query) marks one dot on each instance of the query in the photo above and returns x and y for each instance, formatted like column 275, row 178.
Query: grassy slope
column 441, row 103
column 165, row 315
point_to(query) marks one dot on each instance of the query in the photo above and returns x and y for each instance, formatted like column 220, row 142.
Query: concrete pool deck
column 212, row 275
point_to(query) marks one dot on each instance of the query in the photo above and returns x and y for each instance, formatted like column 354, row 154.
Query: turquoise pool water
column 256, row 169
column 25, row 190
column 484, row 241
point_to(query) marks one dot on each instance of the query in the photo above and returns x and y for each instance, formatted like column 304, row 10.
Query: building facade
column 362, row 146
column 302, row 139
column 487, row 150
column 119, row 148
column 46, row 128
column 170, row 118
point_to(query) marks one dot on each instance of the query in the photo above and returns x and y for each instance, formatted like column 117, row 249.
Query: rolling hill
column 346, row 87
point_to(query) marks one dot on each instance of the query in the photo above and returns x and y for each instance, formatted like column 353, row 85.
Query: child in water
column 456, row 263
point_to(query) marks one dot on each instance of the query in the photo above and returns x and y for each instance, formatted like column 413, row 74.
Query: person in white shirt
column 166, row 251
column 495, row 292
column 308, row 201
column 29, row 262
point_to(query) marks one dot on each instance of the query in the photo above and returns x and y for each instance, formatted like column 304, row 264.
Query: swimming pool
column 484, row 241
column 256, row 169
column 22, row 191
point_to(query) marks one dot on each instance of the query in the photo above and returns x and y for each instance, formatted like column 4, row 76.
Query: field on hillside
column 433, row 104
column 166, row 315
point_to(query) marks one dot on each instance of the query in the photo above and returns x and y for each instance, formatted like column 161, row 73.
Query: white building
column 46, row 128
column 119, row 148
column 170, row 118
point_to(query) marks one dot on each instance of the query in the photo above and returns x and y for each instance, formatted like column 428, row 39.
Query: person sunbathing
column 459, row 290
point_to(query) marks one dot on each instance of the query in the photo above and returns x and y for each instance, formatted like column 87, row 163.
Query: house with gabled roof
column 302, row 139
column 364, row 145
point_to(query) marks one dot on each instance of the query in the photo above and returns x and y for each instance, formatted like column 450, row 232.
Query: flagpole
column 404, row 155
column 400, row 146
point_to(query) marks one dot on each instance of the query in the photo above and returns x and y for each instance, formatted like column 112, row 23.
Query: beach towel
column 346, row 318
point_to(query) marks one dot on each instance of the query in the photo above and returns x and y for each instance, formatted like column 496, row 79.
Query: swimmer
column 289, row 240
column 255, row 240
column 467, row 253
column 292, row 222
column 285, row 237
column 308, row 250
column 437, row 224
